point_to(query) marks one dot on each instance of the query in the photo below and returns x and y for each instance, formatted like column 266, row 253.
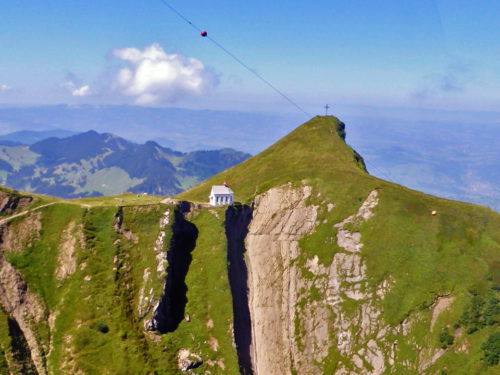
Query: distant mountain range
column 177, row 128
column 28, row 137
column 454, row 154
column 93, row 164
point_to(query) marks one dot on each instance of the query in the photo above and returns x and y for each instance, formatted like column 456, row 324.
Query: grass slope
column 313, row 149
column 95, row 327
column 209, row 306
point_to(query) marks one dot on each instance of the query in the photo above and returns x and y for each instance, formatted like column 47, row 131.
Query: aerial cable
column 381, row 173
column 180, row 15
column 235, row 58
column 204, row 34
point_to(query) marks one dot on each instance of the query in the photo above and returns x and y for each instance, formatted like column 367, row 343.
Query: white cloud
column 76, row 91
column 5, row 88
column 155, row 77
column 82, row 91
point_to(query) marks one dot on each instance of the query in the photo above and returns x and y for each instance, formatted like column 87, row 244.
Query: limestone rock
column 187, row 360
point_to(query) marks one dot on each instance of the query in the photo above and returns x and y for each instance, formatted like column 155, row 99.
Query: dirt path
column 7, row 219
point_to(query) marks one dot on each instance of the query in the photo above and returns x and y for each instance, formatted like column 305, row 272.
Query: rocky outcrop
column 66, row 260
column 297, row 321
column 280, row 219
column 147, row 300
column 10, row 203
column 187, row 361
column 442, row 303
column 358, row 333
column 301, row 314
column 119, row 228
column 14, row 238
column 24, row 308
column 169, row 311
column 343, row 280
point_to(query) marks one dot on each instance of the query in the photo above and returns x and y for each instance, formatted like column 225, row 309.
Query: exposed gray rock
column 24, row 307
column 187, row 360
column 280, row 219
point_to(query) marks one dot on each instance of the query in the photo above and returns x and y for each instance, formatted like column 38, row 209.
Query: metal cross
column 326, row 109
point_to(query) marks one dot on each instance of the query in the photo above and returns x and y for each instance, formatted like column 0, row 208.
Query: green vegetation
column 312, row 151
column 127, row 199
column 445, row 339
column 18, row 156
column 38, row 262
column 96, row 309
column 185, row 182
column 109, row 181
column 209, row 305
column 491, row 349
column 99, row 310
column 478, row 314
column 423, row 256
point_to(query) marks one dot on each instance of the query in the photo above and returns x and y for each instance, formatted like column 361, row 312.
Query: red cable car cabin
column 203, row 33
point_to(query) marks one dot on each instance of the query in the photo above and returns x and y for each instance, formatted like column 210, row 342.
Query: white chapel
column 220, row 195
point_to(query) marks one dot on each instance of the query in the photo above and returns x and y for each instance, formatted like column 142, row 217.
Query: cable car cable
column 259, row 76
column 269, row 84
column 180, row 15
column 383, row 174
column 238, row 60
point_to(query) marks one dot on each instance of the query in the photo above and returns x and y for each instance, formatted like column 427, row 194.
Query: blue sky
column 440, row 54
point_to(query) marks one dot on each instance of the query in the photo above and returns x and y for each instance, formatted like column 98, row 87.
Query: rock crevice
column 169, row 311
column 24, row 310
column 236, row 225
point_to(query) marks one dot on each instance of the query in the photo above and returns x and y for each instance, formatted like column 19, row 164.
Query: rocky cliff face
column 311, row 318
column 169, row 311
column 25, row 310
column 280, row 219
column 10, row 203
column 224, row 291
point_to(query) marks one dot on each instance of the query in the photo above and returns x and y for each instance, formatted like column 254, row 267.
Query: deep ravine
column 170, row 310
column 238, row 218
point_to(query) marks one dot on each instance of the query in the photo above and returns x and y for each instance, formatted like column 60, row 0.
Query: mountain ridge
column 450, row 154
column 321, row 269
column 90, row 164
column 319, row 141
column 27, row 137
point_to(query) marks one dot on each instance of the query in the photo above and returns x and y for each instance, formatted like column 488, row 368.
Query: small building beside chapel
column 221, row 195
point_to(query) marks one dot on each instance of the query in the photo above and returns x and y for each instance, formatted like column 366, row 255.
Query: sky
column 425, row 54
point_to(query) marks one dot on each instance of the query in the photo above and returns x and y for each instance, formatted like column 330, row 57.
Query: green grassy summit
column 314, row 149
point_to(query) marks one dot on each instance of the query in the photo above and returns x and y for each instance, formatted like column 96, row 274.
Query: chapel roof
column 221, row 189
